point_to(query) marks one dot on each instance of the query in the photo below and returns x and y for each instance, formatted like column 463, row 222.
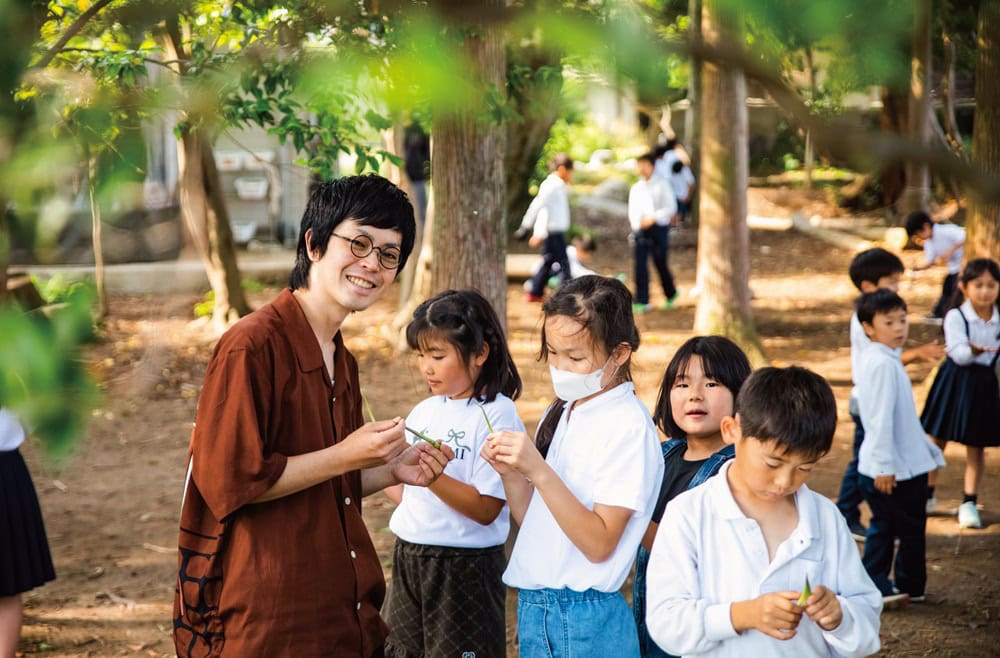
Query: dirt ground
column 111, row 511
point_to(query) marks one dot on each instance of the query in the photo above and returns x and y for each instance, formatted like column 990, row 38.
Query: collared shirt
column 651, row 198
column 984, row 333
column 708, row 554
column 11, row 431
column 859, row 343
column 663, row 167
column 944, row 237
column 606, row 451
column 895, row 442
column 681, row 182
column 295, row 576
column 549, row 210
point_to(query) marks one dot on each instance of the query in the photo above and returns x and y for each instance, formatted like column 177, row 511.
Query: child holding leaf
column 446, row 597
column 753, row 563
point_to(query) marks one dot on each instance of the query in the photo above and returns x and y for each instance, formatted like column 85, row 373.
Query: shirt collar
column 307, row 351
column 725, row 507
column 610, row 396
column 971, row 315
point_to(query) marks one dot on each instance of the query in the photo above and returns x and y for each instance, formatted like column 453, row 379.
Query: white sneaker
column 895, row 600
column 931, row 505
column 968, row 516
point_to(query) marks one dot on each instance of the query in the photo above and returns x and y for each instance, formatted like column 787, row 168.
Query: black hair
column 677, row 167
column 916, row 221
column 873, row 264
column 792, row 406
column 671, row 144
column 882, row 300
column 370, row 200
column 585, row 242
column 721, row 359
column 603, row 306
column 561, row 160
column 974, row 269
column 648, row 156
column 466, row 320
column 659, row 150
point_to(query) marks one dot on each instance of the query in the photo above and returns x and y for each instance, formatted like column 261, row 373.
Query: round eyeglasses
column 362, row 245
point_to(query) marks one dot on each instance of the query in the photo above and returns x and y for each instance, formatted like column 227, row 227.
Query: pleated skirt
column 963, row 405
column 25, row 562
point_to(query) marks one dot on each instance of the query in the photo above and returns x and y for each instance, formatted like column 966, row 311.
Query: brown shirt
column 297, row 576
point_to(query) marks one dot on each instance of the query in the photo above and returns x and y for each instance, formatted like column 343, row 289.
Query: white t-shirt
column 11, row 431
column 422, row 517
column 651, row 198
column 549, row 210
column 607, row 451
column 943, row 238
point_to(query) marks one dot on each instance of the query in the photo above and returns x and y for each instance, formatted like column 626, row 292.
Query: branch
column 71, row 32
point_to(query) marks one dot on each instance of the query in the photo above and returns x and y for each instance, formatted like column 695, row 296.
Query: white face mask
column 572, row 386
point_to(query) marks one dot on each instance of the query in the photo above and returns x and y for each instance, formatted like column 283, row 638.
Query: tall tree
column 916, row 195
column 723, row 235
column 984, row 216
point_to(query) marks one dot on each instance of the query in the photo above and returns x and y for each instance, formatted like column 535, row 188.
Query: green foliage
column 206, row 306
column 60, row 290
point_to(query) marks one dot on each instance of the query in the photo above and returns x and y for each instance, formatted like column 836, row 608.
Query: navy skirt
column 25, row 562
column 964, row 405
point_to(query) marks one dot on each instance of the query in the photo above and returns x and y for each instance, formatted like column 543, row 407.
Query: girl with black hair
column 446, row 597
column 582, row 492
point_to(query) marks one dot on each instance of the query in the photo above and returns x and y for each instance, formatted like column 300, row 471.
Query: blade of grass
column 421, row 435
column 488, row 423
column 804, row 597
column 368, row 408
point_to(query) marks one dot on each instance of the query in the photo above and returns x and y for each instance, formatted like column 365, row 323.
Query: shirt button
column 353, row 554
column 347, row 501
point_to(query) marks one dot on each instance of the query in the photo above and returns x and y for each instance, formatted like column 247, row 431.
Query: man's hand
column 773, row 614
column 421, row 464
column 823, row 607
column 375, row 443
column 885, row 484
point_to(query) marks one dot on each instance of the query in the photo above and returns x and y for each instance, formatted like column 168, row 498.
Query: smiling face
column 762, row 472
column 698, row 403
column 982, row 292
column 443, row 369
column 888, row 327
column 345, row 280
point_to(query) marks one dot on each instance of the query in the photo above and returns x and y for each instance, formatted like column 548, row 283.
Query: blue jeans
column 850, row 495
column 562, row 623
column 652, row 242
column 902, row 514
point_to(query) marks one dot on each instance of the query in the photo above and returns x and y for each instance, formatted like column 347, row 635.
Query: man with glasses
column 274, row 557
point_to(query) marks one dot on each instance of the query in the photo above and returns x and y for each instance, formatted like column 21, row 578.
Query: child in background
column 682, row 183
column 895, row 456
column 699, row 389
column 651, row 208
column 25, row 562
column 941, row 242
column 547, row 219
column 583, row 492
column 732, row 557
column 446, row 597
column 579, row 253
column 871, row 270
column 964, row 401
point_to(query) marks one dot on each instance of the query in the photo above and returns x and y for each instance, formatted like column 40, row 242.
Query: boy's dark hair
column 659, row 150
column 604, row 307
column 793, row 406
column 916, row 221
column 721, row 360
column 671, row 144
column 466, row 320
column 561, row 160
column 648, row 156
column 677, row 167
column 585, row 242
column 881, row 301
column 873, row 264
column 370, row 200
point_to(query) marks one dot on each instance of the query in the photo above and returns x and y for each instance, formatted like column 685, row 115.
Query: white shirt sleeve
column 636, row 207
column 860, row 603
column 678, row 616
column 534, row 216
column 877, row 401
column 625, row 469
column 666, row 204
column 956, row 340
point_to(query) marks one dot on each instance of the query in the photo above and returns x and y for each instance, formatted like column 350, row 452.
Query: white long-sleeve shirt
column 651, row 198
column 549, row 210
column 981, row 332
column 708, row 554
column 11, row 431
column 943, row 238
column 895, row 442
column 859, row 343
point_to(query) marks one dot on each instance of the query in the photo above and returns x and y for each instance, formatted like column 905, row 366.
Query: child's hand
column 933, row 351
column 517, row 450
column 489, row 454
column 885, row 484
column 773, row 614
column 824, row 608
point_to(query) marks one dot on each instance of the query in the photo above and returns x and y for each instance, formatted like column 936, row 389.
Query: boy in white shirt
column 895, row 455
column 548, row 220
column 651, row 207
column 682, row 183
column 734, row 556
column 941, row 242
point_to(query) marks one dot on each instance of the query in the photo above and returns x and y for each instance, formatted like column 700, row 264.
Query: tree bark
column 96, row 240
column 916, row 195
column 984, row 218
column 948, row 96
column 692, row 120
column 469, row 233
column 893, row 118
column 723, row 235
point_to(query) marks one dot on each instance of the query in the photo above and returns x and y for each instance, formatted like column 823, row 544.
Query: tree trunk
column 723, row 235
column 948, row 96
column 207, row 220
column 810, row 149
column 916, row 195
column 984, row 218
column 469, row 233
column 693, row 126
column 97, row 241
